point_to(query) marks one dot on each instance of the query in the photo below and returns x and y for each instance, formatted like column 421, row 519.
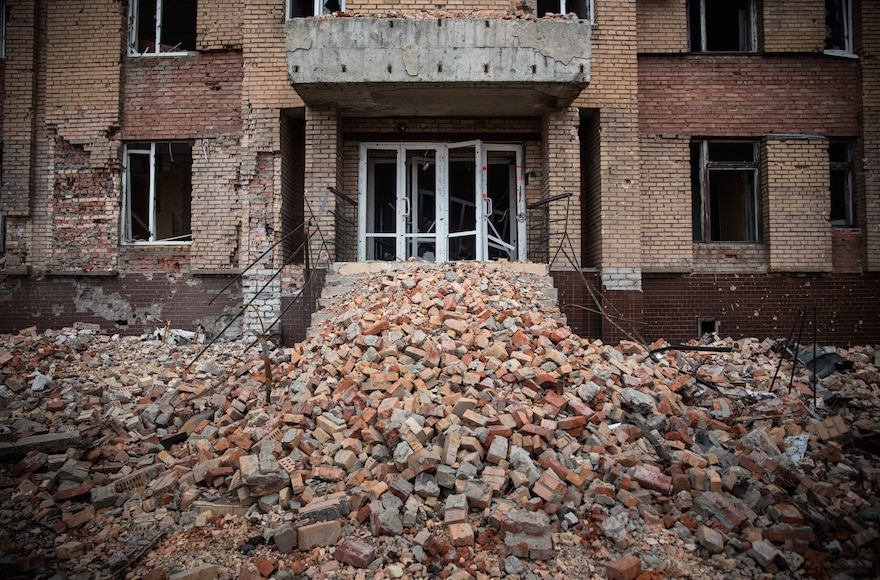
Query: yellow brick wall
column 18, row 108
column 83, row 78
column 666, row 197
column 216, row 206
column 793, row 25
column 560, row 165
column 662, row 25
column 613, row 89
column 795, row 181
column 324, row 169
column 218, row 24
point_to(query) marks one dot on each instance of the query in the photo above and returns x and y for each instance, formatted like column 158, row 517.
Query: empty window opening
column 840, row 157
column 162, row 26
column 708, row 326
column 722, row 26
column 582, row 8
column 158, row 193
column 304, row 8
column 838, row 26
column 724, row 201
column 4, row 17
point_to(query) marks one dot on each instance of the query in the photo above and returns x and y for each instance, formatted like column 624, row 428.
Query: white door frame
column 481, row 201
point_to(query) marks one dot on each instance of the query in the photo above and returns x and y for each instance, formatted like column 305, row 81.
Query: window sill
column 841, row 53
column 160, row 54
column 153, row 244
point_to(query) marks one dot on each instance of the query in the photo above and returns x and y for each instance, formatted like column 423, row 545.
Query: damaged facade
column 708, row 168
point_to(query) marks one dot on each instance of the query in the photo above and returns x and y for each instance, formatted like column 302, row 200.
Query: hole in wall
column 708, row 326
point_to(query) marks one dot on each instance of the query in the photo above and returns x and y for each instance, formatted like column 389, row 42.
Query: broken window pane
column 163, row 26
column 840, row 158
column 159, row 192
column 723, row 194
column 721, row 25
column 838, row 23
column 302, row 8
column 581, row 8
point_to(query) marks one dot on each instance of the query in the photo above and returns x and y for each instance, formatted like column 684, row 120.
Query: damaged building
column 706, row 166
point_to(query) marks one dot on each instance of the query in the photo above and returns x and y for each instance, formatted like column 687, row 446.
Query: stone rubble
column 439, row 422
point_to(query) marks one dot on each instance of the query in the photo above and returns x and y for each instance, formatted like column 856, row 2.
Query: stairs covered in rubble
column 346, row 280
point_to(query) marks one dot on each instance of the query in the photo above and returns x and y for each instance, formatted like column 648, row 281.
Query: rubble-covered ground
column 439, row 423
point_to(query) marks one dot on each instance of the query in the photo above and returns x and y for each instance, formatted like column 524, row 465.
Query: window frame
column 563, row 7
column 317, row 9
column 4, row 15
column 849, row 218
column 703, row 48
column 847, row 21
column 133, row 26
column 126, row 233
column 706, row 167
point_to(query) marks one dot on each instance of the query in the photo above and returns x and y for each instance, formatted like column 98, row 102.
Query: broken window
column 724, row 201
column 722, row 25
column 840, row 157
column 161, row 27
column 301, row 8
column 838, row 26
column 582, row 8
column 158, row 192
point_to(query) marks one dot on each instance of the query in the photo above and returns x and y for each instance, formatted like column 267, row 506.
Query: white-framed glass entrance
column 478, row 210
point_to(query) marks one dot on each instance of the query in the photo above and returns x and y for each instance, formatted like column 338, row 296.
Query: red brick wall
column 182, row 97
column 722, row 96
column 298, row 317
column 763, row 305
column 51, row 302
column 846, row 250
column 85, row 217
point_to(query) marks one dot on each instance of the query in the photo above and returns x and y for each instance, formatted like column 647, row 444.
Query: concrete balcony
column 437, row 67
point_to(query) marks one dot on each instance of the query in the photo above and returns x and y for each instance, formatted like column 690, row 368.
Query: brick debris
column 439, row 421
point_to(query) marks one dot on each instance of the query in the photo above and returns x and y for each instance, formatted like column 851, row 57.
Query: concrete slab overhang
column 446, row 66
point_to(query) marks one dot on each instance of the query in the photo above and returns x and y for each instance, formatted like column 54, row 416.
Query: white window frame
column 133, row 32
column 847, row 32
column 317, row 8
column 591, row 6
column 126, row 202
column 753, row 29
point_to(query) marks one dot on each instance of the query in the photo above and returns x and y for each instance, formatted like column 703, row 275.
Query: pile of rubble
column 516, row 11
column 437, row 423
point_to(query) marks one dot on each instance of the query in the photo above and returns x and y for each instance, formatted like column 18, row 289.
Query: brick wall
column 793, row 26
column 216, row 206
column 18, row 110
column 574, row 300
column 667, row 232
column 795, row 178
column 183, row 97
column 298, row 317
column 731, row 257
column 763, row 305
column 85, row 224
column 560, row 165
column 662, row 25
column 591, row 191
column 324, row 169
column 846, row 250
column 218, row 24
column 867, row 38
column 613, row 89
column 739, row 95
column 124, row 305
column 265, row 57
